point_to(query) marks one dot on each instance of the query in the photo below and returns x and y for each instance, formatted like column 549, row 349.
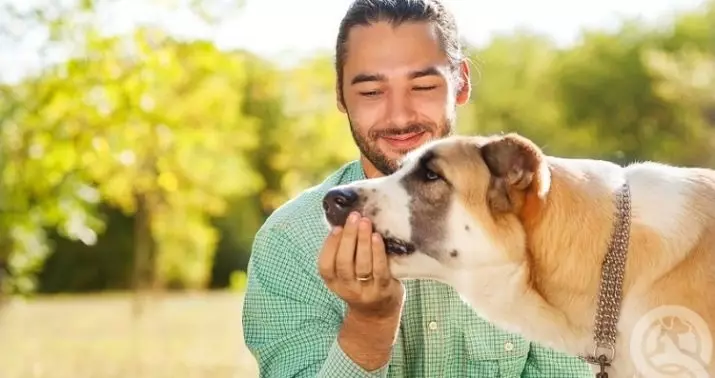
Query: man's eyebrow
column 364, row 77
column 429, row 71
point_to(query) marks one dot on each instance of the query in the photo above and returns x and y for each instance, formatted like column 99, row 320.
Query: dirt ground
column 179, row 336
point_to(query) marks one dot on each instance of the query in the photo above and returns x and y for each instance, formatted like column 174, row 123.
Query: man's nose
column 399, row 109
column 338, row 203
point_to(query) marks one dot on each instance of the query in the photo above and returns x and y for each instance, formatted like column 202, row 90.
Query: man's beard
column 367, row 144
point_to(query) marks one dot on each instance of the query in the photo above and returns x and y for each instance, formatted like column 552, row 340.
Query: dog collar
column 611, row 287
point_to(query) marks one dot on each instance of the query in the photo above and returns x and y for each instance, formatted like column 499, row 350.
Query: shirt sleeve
column 338, row 363
column 290, row 319
column 546, row 362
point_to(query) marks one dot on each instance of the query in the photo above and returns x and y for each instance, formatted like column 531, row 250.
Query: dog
column 522, row 236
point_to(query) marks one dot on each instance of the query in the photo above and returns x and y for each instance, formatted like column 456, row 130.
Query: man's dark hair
column 396, row 12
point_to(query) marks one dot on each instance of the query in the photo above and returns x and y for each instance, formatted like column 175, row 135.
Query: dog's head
column 455, row 203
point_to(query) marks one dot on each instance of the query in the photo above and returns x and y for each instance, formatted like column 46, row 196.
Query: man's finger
column 363, row 255
column 326, row 260
column 380, row 267
column 345, row 260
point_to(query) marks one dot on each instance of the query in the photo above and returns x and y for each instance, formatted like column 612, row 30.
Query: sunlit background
column 142, row 144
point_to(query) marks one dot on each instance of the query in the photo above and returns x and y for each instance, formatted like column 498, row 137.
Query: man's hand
column 354, row 265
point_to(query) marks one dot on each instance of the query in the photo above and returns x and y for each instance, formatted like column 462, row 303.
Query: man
column 321, row 302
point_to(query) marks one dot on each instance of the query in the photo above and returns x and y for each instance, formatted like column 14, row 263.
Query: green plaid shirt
column 291, row 320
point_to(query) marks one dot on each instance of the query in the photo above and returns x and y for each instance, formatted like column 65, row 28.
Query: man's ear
column 339, row 97
column 515, row 164
column 465, row 85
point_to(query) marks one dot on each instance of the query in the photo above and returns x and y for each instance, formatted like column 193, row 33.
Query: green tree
column 303, row 137
column 41, row 184
column 687, row 80
column 515, row 89
column 144, row 123
column 167, row 146
column 605, row 86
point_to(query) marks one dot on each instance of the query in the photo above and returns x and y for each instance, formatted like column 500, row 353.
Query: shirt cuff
column 338, row 364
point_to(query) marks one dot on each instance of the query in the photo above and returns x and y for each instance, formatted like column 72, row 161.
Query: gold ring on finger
column 366, row 277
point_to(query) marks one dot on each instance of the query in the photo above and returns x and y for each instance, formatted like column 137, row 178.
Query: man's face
column 399, row 91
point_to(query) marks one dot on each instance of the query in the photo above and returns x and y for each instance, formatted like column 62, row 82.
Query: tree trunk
column 5, row 248
column 144, row 274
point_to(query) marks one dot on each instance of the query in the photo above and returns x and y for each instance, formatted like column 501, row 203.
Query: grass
column 178, row 336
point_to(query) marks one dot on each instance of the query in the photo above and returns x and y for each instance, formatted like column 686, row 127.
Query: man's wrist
column 385, row 316
column 368, row 339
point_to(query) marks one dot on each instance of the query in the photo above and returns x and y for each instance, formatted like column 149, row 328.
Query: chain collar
column 609, row 296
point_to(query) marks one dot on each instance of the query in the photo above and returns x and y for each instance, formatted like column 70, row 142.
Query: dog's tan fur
column 545, row 224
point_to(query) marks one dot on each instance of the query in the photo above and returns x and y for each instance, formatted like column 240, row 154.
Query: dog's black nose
column 338, row 203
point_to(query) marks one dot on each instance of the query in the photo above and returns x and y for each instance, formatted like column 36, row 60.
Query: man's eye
column 369, row 93
column 425, row 88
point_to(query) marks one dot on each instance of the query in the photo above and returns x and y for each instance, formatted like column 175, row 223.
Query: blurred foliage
column 238, row 281
column 148, row 160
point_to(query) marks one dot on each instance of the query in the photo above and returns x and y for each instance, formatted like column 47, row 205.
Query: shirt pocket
column 493, row 352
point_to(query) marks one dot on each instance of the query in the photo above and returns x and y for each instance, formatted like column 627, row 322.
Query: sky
column 286, row 30
column 478, row 20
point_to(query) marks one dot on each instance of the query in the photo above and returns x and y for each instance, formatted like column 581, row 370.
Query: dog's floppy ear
column 514, row 163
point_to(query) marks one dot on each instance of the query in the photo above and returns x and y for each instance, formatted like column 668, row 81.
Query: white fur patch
column 660, row 196
column 468, row 237
column 392, row 203
column 418, row 265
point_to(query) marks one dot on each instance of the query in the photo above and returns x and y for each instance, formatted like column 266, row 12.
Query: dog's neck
column 557, row 288
column 546, row 297
column 571, row 228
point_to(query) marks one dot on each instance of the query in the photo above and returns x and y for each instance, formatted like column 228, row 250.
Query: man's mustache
column 395, row 131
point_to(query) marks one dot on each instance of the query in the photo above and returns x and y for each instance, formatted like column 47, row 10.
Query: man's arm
column 291, row 322
column 367, row 341
column 546, row 362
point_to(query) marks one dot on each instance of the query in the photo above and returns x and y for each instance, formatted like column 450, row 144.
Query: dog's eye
column 430, row 175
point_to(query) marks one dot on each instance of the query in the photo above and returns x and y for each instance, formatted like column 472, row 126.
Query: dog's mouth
column 398, row 247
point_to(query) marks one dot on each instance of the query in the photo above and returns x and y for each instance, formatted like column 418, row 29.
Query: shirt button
column 432, row 325
column 508, row 346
